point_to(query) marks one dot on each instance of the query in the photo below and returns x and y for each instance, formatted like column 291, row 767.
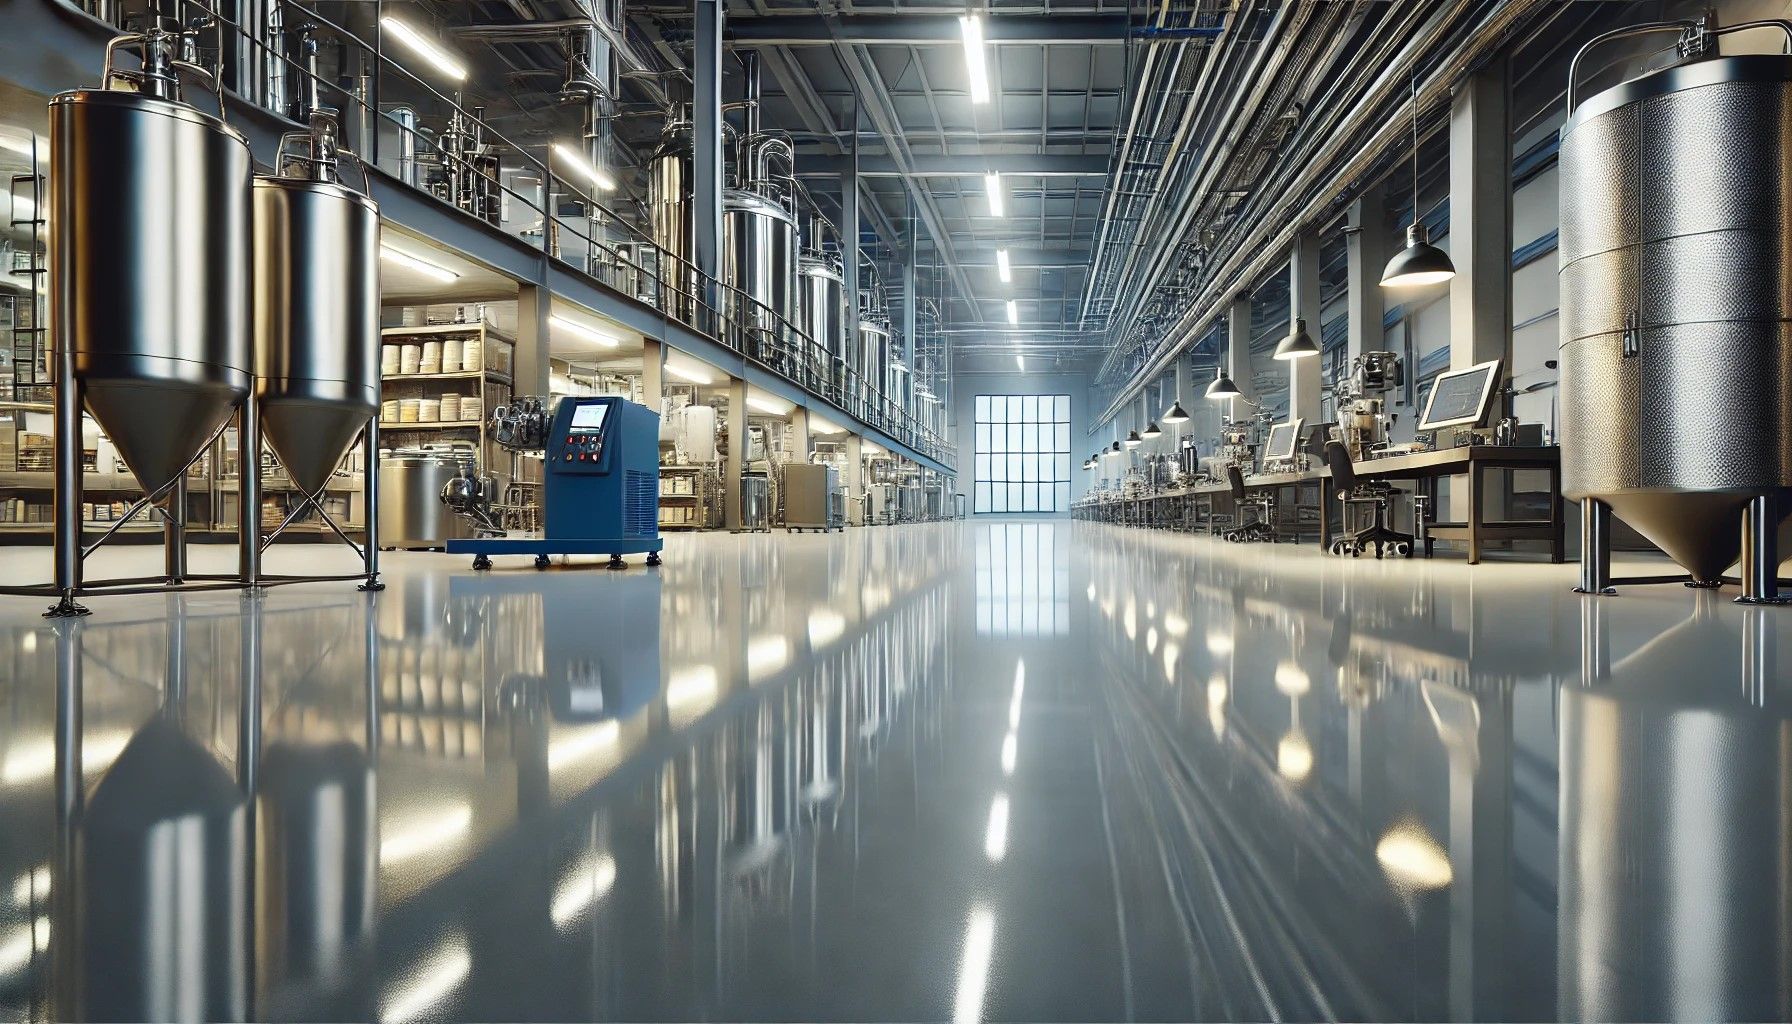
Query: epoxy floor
column 990, row 770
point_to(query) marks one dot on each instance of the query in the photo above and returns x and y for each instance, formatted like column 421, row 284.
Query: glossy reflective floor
column 1002, row 771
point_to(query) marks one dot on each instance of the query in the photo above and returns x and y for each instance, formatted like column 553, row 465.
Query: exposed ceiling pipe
column 1321, row 172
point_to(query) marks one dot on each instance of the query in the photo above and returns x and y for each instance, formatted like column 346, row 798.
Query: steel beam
column 1025, row 165
column 927, row 30
column 1022, row 257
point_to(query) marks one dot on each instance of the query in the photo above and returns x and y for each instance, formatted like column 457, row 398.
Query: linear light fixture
column 1020, row 363
column 976, row 62
column 689, row 374
column 992, row 184
column 417, row 263
column 769, row 404
column 579, row 162
column 1013, row 313
column 585, row 331
column 423, row 46
column 1002, row 268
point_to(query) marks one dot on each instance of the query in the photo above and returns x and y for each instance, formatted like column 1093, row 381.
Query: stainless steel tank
column 317, row 320
column 149, row 270
column 1676, row 297
column 873, row 358
column 821, row 312
column 759, row 242
column 411, row 513
column 670, row 216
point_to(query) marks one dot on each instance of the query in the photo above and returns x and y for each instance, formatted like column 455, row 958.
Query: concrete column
column 799, row 434
column 653, row 375
column 1367, row 255
column 735, row 462
column 1238, row 354
column 1303, row 304
column 706, row 167
column 1481, row 221
column 1182, row 383
column 855, row 480
column 530, row 366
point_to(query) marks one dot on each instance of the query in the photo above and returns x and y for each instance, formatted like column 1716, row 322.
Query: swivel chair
column 1376, row 494
column 1263, row 507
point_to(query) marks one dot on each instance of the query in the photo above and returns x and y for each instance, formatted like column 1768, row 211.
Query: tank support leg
column 370, row 504
column 248, row 506
column 1761, row 552
column 68, row 483
column 1595, row 547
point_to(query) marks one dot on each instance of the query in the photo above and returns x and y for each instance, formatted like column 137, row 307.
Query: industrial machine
column 812, row 497
column 1673, row 384
column 600, row 482
column 1364, row 423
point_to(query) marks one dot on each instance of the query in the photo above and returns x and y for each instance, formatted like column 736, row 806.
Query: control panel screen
column 1459, row 398
column 590, row 417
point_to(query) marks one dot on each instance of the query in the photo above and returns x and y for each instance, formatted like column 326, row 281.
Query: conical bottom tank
column 149, row 275
column 317, row 294
column 1676, row 302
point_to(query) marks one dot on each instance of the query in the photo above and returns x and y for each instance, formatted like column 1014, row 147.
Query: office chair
column 1262, row 526
column 1376, row 494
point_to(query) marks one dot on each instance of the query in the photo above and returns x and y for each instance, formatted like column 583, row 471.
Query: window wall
column 1022, row 452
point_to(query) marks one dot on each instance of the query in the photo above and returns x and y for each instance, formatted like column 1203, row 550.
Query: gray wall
column 967, row 386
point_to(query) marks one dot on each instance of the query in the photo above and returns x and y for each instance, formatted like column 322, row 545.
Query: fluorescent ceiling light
column 1013, row 313
column 427, row 48
column 976, row 62
column 417, row 263
column 690, row 373
column 1002, row 268
column 585, row 331
column 992, row 184
column 771, row 405
column 578, row 162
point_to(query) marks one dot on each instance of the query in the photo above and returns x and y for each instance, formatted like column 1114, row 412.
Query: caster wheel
column 481, row 563
column 616, row 564
column 1403, row 550
column 653, row 558
column 542, row 561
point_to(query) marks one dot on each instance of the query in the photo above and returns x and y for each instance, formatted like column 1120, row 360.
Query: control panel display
column 582, row 447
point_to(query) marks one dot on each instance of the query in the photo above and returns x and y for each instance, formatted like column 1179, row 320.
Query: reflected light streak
column 1010, row 750
column 33, row 883
column 1151, row 640
column 581, row 887
column 1175, row 625
column 1412, row 858
column 767, row 654
column 995, row 837
column 35, row 760
column 1020, row 686
column 1294, row 756
column 20, row 943
column 1172, row 654
column 426, row 833
column 825, row 627
column 691, row 686
column 582, row 742
column 1218, row 644
column 1130, row 619
column 973, row 966
column 444, row 969
column 1091, row 591
column 1292, row 680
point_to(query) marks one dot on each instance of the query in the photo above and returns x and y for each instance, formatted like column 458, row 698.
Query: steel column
column 1481, row 220
column 1238, row 354
column 534, row 305
column 735, row 462
column 706, row 165
column 1303, row 304
column 1366, row 245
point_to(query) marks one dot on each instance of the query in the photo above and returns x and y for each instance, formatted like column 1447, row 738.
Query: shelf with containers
column 439, row 384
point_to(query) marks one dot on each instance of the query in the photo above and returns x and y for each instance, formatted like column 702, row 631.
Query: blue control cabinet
column 600, row 487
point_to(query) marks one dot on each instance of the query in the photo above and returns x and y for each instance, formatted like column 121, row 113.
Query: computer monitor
column 1282, row 439
column 1459, row 398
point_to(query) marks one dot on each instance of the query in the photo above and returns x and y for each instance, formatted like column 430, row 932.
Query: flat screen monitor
column 1459, row 398
column 1282, row 439
column 590, row 418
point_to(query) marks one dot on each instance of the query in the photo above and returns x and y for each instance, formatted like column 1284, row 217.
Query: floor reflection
column 981, row 771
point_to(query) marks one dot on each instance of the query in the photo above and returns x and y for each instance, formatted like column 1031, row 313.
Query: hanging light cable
column 1420, row 263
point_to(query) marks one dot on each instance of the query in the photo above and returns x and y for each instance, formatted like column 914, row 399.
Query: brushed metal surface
column 411, row 511
column 317, row 296
column 874, row 355
column 759, row 261
column 1674, row 220
column 149, row 270
column 670, row 215
column 821, row 308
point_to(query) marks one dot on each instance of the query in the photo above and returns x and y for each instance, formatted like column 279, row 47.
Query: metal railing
column 602, row 245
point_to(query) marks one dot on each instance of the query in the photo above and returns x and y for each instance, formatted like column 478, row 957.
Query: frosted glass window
column 1022, row 453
